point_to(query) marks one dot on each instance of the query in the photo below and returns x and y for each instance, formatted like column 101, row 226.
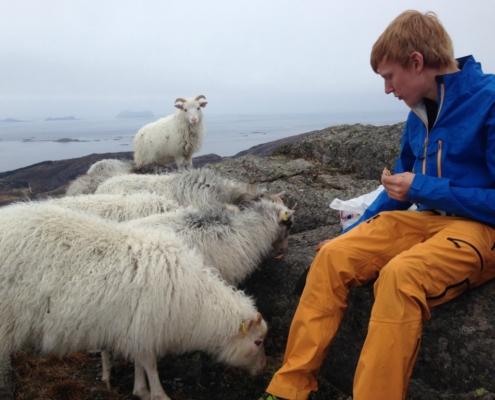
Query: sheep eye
column 185, row 109
column 258, row 342
column 199, row 108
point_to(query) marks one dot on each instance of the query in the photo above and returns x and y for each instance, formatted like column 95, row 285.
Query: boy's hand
column 397, row 186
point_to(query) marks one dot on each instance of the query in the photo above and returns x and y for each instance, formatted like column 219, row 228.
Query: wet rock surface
column 457, row 356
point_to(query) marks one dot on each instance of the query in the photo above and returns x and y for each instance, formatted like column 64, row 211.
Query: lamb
column 173, row 138
column 118, row 207
column 98, row 173
column 198, row 187
column 71, row 281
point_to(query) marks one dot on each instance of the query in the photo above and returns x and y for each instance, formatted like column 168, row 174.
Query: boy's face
column 405, row 84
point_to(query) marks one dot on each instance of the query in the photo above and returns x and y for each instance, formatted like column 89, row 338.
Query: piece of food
column 386, row 172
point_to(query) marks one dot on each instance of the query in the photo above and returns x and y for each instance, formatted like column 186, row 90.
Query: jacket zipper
column 425, row 143
column 425, row 146
column 439, row 159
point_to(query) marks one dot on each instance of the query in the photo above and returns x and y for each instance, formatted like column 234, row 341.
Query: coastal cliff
column 457, row 356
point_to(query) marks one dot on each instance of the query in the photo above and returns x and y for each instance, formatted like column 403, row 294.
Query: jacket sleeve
column 405, row 162
column 440, row 193
column 468, row 202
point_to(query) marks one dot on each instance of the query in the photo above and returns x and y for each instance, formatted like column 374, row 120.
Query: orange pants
column 421, row 260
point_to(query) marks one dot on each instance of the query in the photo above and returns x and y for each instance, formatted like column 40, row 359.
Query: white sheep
column 229, row 240
column 118, row 207
column 232, row 241
column 70, row 281
column 198, row 187
column 97, row 173
column 173, row 138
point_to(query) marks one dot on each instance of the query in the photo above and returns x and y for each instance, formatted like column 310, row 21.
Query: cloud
column 95, row 58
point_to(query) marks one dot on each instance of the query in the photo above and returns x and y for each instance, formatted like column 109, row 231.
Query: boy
column 420, row 258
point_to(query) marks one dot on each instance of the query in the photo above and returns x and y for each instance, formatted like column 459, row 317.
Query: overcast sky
column 95, row 58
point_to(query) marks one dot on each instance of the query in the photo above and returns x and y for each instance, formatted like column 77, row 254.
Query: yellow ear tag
column 284, row 216
column 243, row 327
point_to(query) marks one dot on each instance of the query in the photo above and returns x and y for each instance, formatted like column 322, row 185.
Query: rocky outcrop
column 457, row 357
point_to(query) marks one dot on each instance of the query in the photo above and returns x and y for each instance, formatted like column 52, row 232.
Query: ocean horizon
column 29, row 142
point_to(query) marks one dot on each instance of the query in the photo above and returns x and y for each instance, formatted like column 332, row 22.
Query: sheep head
column 281, row 242
column 191, row 108
column 246, row 350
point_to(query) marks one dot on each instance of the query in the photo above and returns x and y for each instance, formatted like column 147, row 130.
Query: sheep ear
column 244, row 200
column 281, row 194
column 203, row 104
column 252, row 322
column 181, row 101
column 286, row 215
column 246, row 327
column 276, row 198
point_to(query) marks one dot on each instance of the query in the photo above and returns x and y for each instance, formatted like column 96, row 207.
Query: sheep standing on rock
column 198, row 187
column 70, row 282
column 173, row 138
column 99, row 172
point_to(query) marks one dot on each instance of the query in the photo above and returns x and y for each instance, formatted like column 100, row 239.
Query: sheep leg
column 189, row 162
column 156, row 391
column 179, row 160
column 140, row 387
column 106, row 365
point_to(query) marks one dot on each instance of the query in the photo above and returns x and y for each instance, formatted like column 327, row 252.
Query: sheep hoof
column 143, row 394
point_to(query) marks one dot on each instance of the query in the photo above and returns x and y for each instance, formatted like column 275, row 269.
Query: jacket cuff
column 417, row 183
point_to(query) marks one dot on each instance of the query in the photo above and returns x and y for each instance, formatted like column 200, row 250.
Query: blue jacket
column 454, row 163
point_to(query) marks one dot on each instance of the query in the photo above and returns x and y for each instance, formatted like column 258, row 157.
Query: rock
column 6, row 392
column 457, row 356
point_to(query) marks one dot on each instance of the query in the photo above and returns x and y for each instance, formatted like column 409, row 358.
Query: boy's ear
column 417, row 61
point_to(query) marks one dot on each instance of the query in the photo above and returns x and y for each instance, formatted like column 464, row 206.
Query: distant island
column 71, row 118
column 67, row 140
column 135, row 114
column 11, row 120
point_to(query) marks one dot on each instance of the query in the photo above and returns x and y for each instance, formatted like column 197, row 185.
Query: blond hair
column 413, row 31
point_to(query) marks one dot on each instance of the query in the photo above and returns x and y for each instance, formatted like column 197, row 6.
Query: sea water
column 29, row 142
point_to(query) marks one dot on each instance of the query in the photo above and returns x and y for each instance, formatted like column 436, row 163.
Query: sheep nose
column 194, row 120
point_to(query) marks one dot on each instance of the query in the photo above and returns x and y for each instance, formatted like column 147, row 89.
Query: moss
column 480, row 392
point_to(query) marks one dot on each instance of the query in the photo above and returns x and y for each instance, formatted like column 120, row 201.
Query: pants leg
column 457, row 254
column 345, row 262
